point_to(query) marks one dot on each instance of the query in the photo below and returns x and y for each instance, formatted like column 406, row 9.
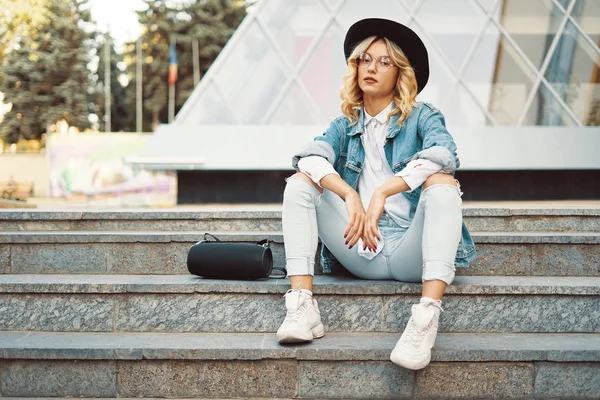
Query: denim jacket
column 422, row 136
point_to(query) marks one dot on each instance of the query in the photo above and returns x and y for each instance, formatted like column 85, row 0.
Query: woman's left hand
column 374, row 212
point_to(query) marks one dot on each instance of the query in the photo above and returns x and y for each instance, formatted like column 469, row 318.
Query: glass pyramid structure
column 493, row 62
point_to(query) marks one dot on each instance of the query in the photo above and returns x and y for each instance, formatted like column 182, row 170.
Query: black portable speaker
column 231, row 260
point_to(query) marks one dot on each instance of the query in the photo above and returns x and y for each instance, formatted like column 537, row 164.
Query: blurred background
column 158, row 103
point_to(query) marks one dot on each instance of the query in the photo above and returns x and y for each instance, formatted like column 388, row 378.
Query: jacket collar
column 358, row 129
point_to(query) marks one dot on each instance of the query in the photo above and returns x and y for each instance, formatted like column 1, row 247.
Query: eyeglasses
column 364, row 61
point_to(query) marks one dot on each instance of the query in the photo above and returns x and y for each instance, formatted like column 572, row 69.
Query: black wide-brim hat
column 410, row 43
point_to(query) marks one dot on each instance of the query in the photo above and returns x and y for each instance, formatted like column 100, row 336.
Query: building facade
column 518, row 82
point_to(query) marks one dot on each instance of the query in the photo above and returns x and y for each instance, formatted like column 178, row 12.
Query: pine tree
column 18, row 18
column 20, row 76
column 67, row 48
column 45, row 76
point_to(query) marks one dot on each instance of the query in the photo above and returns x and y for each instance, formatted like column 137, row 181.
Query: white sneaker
column 413, row 350
column 303, row 320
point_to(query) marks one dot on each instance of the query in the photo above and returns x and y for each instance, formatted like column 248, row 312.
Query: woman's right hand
column 356, row 219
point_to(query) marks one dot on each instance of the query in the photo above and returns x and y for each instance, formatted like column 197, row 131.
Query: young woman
column 378, row 189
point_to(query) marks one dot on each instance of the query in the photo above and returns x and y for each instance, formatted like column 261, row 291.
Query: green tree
column 45, row 74
column 211, row 22
column 18, row 18
column 19, row 78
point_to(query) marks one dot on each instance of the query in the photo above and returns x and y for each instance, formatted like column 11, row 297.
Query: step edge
column 144, row 214
column 323, row 285
column 565, row 347
column 60, row 237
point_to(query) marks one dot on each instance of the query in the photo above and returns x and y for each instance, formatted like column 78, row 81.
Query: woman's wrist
column 348, row 193
column 336, row 184
column 393, row 186
column 380, row 192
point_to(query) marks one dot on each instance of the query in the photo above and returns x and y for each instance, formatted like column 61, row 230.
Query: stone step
column 499, row 253
column 478, row 218
column 156, row 398
column 183, row 303
column 343, row 365
column 160, row 398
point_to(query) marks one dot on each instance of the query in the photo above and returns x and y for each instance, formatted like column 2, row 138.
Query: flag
column 172, row 78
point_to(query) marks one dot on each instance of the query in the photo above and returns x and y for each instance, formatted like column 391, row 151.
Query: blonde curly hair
column 405, row 91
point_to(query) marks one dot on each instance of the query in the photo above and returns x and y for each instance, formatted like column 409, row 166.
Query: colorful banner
column 93, row 165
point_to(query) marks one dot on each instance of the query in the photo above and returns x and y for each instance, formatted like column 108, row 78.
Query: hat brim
column 410, row 43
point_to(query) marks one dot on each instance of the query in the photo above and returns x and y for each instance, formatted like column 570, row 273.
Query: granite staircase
column 100, row 304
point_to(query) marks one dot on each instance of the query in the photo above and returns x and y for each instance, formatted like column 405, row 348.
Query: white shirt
column 376, row 171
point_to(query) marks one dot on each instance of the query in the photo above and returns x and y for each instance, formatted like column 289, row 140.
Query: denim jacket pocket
column 354, row 167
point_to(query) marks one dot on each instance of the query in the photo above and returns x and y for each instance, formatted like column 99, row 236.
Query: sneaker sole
column 411, row 364
column 301, row 337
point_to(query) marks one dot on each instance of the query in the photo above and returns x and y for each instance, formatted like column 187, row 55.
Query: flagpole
column 196, row 62
column 107, row 97
column 172, row 94
column 138, row 84
column 171, row 103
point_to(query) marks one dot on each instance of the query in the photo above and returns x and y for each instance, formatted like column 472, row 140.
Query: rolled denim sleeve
column 438, row 144
column 327, row 146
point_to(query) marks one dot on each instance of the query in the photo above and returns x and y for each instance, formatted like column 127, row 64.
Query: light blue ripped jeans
column 422, row 252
